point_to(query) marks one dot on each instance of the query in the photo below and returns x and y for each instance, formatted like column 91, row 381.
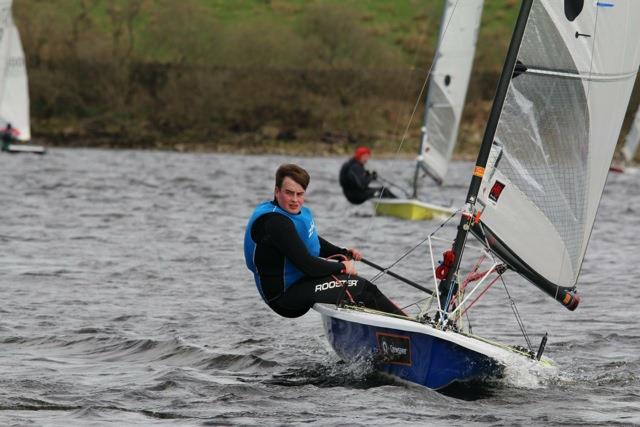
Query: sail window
column 573, row 8
column 496, row 191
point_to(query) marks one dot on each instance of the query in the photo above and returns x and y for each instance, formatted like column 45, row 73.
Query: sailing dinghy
column 445, row 100
column 532, row 200
column 14, row 88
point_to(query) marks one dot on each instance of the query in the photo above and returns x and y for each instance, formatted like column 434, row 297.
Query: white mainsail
column 556, row 135
column 14, row 90
column 448, row 84
column 632, row 139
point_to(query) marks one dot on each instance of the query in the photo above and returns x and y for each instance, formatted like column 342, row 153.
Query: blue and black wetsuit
column 287, row 258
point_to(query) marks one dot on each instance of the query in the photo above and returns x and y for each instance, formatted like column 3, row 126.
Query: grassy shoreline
column 381, row 150
column 252, row 76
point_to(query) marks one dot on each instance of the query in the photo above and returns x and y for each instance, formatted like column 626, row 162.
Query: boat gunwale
column 495, row 350
column 414, row 202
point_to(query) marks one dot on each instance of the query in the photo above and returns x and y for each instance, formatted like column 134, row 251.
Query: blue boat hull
column 416, row 357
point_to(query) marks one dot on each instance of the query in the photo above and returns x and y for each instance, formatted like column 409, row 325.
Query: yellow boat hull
column 411, row 209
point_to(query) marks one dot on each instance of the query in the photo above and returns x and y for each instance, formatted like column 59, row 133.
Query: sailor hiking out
column 290, row 261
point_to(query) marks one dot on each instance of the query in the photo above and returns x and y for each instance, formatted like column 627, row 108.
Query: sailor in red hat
column 355, row 180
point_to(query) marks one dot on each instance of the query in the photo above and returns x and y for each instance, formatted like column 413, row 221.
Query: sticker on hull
column 394, row 349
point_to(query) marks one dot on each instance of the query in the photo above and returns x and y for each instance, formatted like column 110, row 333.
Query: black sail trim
column 563, row 294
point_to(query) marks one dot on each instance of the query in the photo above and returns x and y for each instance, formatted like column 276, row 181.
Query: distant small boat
column 447, row 91
column 24, row 148
column 14, row 91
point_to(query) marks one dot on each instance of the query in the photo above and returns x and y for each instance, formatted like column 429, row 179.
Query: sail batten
column 556, row 135
column 579, row 76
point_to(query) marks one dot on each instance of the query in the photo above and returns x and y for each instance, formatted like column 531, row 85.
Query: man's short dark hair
column 294, row 172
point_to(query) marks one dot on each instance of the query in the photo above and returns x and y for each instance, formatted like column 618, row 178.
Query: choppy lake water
column 125, row 301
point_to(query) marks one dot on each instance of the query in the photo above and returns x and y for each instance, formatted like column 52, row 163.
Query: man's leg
column 335, row 290
column 387, row 194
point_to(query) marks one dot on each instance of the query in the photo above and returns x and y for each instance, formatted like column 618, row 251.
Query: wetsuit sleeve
column 281, row 233
column 358, row 175
column 327, row 248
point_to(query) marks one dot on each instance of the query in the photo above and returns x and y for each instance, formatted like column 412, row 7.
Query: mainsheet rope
column 409, row 251
column 512, row 302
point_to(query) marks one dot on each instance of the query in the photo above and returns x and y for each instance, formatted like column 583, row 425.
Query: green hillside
column 245, row 75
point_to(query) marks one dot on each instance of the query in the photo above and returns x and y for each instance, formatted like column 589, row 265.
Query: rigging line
column 471, row 304
column 514, row 307
column 417, row 303
column 387, row 183
column 424, row 83
column 516, row 313
column 419, row 98
column 406, row 93
column 382, row 273
column 458, row 298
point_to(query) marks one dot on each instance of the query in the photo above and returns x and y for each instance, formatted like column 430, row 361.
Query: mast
column 448, row 286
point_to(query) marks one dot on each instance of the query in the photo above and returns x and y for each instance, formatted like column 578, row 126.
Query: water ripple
column 126, row 301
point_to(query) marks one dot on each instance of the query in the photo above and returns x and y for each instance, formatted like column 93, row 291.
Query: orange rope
column 478, row 297
column 344, row 285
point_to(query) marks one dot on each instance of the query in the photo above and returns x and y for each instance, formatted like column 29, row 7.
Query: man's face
column 290, row 196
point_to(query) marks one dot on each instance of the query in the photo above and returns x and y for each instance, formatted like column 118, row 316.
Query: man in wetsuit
column 7, row 137
column 355, row 180
column 289, row 259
